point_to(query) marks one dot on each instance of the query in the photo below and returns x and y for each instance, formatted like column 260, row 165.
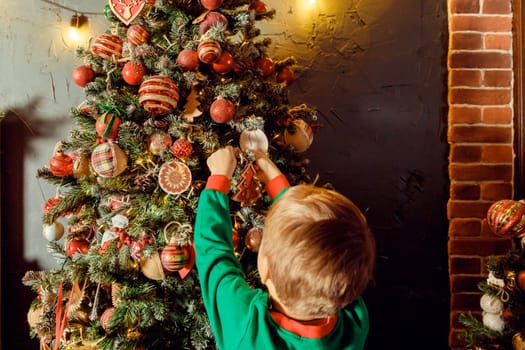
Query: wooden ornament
column 188, row 60
column 109, row 160
column 151, row 267
column 298, row 135
column 137, row 34
column 209, row 51
column 107, row 46
column 174, row 177
column 126, row 10
column 506, row 218
column 159, row 95
column 83, row 75
column 61, row 164
column 81, row 165
column 222, row 110
column 191, row 108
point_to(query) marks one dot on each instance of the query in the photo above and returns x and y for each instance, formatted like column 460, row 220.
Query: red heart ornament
column 126, row 10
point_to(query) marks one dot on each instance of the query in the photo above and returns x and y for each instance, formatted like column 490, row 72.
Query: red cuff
column 219, row 183
column 276, row 185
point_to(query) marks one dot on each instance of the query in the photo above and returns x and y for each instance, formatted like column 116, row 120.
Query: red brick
column 480, row 172
column 498, row 41
column 497, row 78
column 480, row 96
column 480, row 24
column 462, row 284
column 480, row 59
column 483, row 134
column 466, row 41
column 497, row 154
column 497, row 115
column 467, row 209
column 464, row 6
column 461, row 115
column 465, row 154
column 494, row 191
column 465, row 227
column 465, row 301
column 465, row 191
column 496, row 7
column 465, row 265
column 480, row 247
column 460, row 77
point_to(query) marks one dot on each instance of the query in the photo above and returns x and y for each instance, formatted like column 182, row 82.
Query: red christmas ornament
column 212, row 19
column 285, row 75
column 77, row 246
column 222, row 110
column 133, row 72
column 106, row 315
column 211, row 4
column 61, row 164
column 259, row 7
column 266, row 66
column 224, row 64
column 107, row 126
column 506, row 218
column 107, row 46
column 181, row 148
column 209, row 51
column 83, row 75
column 50, row 204
column 174, row 257
column 137, row 34
column 188, row 60
column 253, row 239
column 158, row 142
column 235, row 238
column 159, row 95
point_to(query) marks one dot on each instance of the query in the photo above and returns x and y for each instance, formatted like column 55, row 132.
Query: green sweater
column 239, row 315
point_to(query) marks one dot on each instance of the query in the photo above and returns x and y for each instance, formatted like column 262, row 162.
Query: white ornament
column 253, row 140
column 493, row 321
column 120, row 221
column 108, row 236
column 54, row 231
column 494, row 281
column 491, row 304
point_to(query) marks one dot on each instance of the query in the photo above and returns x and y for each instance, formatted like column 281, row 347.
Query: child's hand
column 267, row 170
column 222, row 162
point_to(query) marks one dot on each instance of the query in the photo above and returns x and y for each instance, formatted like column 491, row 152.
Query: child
column 316, row 258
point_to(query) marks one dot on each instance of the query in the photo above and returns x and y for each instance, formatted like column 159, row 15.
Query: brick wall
column 480, row 136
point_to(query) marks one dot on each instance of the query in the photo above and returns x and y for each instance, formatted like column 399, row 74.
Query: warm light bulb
column 311, row 2
column 76, row 28
column 74, row 34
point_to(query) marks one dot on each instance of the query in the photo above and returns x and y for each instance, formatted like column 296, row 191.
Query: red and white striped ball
column 137, row 34
column 107, row 46
column 506, row 218
column 209, row 51
column 159, row 95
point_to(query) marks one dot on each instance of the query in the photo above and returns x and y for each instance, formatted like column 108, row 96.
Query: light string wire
column 71, row 9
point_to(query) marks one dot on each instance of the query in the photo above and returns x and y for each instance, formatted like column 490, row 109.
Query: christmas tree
column 166, row 85
column 502, row 322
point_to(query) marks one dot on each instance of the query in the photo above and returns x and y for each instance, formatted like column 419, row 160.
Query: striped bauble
column 506, row 218
column 107, row 46
column 209, row 51
column 159, row 95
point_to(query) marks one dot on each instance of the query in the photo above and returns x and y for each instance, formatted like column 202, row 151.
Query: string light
column 77, row 24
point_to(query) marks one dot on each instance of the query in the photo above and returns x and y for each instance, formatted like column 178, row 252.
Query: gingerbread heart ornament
column 126, row 10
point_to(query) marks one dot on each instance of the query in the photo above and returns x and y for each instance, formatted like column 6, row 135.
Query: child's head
column 319, row 251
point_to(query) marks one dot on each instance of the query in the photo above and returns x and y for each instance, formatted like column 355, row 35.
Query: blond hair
column 320, row 250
